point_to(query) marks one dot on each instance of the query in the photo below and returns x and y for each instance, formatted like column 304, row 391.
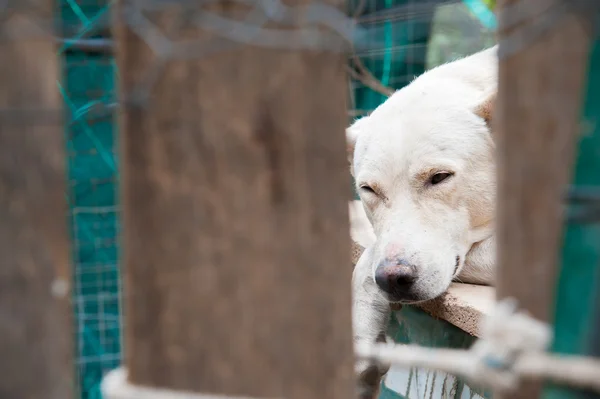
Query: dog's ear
column 351, row 135
column 485, row 108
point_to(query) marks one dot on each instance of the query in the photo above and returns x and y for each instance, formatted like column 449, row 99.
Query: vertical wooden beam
column 236, row 221
column 35, row 334
column 540, row 93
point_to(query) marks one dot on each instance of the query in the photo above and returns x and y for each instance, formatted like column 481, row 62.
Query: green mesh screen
column 88, row 88
column 399, row 46
column 408, row 36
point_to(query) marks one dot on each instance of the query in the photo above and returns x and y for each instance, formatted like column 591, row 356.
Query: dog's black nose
column 395, row 279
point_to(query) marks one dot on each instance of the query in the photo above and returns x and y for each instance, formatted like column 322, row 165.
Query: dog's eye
column 439, row 177
column 368, row 189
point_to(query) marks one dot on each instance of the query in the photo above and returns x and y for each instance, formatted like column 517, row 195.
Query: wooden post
column 35, row 323
column 540, row 93
column 236, row 236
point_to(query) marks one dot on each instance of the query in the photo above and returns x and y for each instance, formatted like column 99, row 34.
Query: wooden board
column 463, row 305
column 236, row 235
column 36, row 360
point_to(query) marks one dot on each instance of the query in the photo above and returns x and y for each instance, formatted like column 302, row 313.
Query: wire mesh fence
column 87, row 86
column 390, row 42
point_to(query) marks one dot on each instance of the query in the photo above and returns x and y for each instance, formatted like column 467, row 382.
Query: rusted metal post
column 236, row 240
column 36, row 360
column 539, row 100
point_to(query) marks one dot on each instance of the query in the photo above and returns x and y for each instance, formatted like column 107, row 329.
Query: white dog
column 424, row 167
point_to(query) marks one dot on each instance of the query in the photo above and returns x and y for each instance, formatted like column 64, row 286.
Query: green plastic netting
column 88, row 84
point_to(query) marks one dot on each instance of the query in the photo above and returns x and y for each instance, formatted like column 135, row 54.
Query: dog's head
column 424, row 168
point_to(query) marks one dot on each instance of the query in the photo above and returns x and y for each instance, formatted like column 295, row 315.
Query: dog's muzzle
column 396, row 278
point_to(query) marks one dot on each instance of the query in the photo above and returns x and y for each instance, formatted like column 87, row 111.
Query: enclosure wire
column 512, row 347
column 341, row 33
column 356, row 68
column 116, row 386
column 527, row 19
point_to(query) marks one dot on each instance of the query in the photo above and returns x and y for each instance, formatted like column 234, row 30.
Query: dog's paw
column 369, row 380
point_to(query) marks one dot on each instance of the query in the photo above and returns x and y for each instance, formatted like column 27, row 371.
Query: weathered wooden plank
column 463, row 305
column 540, row 92
column 35, row 324
column 236, row 230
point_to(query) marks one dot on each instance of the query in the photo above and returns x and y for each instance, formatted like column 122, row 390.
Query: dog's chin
column 405, row 299
column 413, row 298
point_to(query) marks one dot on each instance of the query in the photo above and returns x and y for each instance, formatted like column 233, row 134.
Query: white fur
column 427, row 127
column 431, row 126
column 360, row 227
column 373, row 311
